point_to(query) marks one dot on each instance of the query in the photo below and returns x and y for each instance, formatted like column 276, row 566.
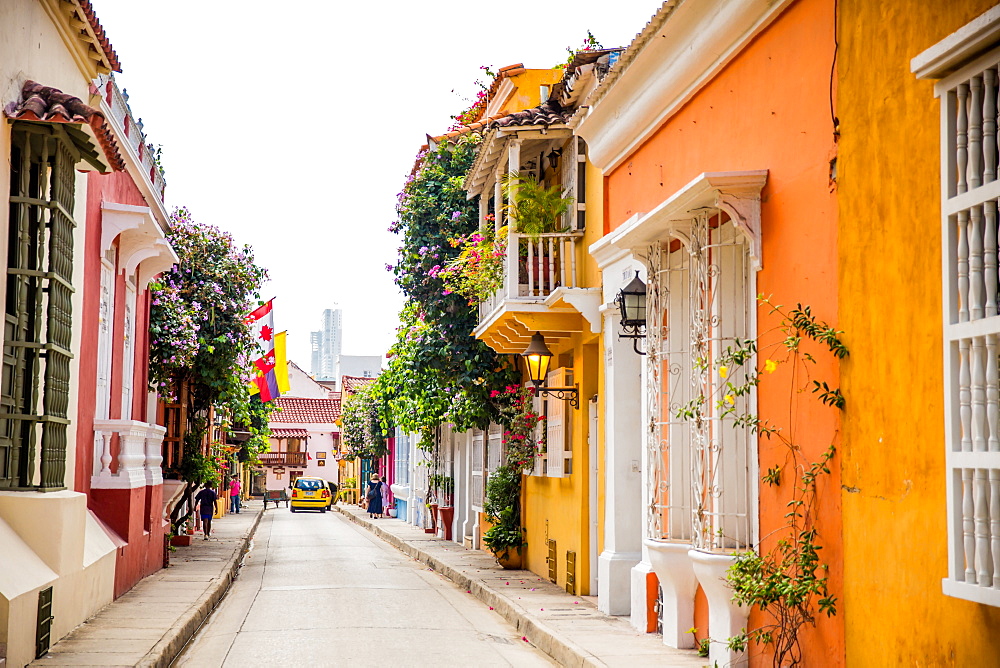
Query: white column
column 623, row 452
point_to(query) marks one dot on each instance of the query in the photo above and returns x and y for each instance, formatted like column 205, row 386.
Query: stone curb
column 178, row 635
column 565, row 653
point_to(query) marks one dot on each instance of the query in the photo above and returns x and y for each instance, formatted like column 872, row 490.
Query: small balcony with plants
column 525, row 267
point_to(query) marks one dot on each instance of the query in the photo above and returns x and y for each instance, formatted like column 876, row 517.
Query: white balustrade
column 535, row 267
column 135, row 137
column 139, row 454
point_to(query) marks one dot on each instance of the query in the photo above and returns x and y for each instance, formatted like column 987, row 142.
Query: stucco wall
column 890, row 303
column 769, row 108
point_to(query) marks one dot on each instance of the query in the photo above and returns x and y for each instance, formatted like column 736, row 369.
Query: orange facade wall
column 890, row 304
column 769, row 108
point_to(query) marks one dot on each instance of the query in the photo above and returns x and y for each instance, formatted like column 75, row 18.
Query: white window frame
column 968, row 86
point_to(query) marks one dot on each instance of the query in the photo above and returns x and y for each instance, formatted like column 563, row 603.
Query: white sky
column 293, row 124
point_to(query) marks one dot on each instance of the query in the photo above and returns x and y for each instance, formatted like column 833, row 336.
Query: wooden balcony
column 283, row 458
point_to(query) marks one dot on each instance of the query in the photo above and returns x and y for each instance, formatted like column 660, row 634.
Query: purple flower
column 456, row 215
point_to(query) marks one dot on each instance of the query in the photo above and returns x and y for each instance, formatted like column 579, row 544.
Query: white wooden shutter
column 538, row 405
column 555, row 427
column 494, row 448
column 478, row 443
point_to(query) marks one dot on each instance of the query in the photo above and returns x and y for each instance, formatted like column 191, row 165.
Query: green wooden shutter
column 39, row 285
column 43, row 628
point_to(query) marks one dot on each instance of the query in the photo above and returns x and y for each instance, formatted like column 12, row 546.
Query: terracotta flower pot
column 445, row 516
column 184, row 540
column 511, row 561
column 433, row 513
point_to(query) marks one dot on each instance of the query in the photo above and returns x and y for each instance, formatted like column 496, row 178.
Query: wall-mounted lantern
column 537, row 357
column 632, row 303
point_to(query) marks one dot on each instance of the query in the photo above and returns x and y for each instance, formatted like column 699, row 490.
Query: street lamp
column 632, row 304
column 537, row 357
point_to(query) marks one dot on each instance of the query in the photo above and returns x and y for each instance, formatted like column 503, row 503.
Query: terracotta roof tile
column 50, row 105
column 102, row 38
column 353, row 384
column 289, row 433
column 547, row 113
column 295, row 410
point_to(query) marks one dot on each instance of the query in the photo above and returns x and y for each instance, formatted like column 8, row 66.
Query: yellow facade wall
column 559, row 508
column 889, row 249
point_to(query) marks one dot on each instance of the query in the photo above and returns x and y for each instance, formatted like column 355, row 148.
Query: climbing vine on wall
column 789, row 582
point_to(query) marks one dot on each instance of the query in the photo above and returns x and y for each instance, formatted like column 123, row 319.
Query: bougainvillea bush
column 438, row 372
column 199, row 338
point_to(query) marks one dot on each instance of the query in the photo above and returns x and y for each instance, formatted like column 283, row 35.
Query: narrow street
column 317, row 590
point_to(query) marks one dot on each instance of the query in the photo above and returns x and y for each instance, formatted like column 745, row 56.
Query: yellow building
column 917, row 185
column 551, row 287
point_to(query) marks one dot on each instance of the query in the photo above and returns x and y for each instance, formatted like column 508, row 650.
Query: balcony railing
column 134, row 135
column 534, row 268
column 283, row 458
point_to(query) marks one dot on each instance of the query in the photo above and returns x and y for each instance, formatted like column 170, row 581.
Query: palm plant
column 534, row 208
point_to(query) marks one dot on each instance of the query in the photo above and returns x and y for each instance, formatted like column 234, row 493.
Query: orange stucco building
column 718, row 143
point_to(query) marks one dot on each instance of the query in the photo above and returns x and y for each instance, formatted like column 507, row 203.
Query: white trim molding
column 693, row 44
column 142, row 246
column 736, row 193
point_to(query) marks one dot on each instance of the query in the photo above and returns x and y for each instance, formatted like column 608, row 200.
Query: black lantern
column 537, row 357
column 632, row 303
column 553, row 158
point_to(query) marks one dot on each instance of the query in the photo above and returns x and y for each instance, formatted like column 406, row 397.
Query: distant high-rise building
column 326, row 344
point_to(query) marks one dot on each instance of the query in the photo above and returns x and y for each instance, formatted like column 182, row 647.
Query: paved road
column 316, row 590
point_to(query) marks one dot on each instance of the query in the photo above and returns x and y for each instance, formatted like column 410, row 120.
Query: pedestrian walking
column 234, row 496
column 205, row 500
column 386, row 498
column 374, row 496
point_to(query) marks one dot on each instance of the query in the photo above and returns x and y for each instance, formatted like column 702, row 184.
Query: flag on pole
column 265, row 366
column 261, row 322
column 281, row 362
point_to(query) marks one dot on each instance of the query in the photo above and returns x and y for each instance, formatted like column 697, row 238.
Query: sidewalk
column 149, row 625
column 568, row 628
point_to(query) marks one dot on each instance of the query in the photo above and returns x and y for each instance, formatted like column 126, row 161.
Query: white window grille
column 478, row 474
column 104, row 343
column 969, row 217
column 701, row 298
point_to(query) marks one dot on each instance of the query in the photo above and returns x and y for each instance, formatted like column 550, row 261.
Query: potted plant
column 446, row 511
column 534, row 208
column 505, row 539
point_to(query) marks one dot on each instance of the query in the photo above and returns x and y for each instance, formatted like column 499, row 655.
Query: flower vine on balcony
column 477, row 272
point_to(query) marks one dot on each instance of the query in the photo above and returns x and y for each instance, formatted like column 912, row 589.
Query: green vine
column 362, row 424
column 789, row 583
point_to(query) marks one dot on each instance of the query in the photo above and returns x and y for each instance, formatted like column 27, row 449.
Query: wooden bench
column 275, row 496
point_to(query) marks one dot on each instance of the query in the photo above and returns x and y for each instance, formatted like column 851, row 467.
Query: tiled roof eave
column 631, row 52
